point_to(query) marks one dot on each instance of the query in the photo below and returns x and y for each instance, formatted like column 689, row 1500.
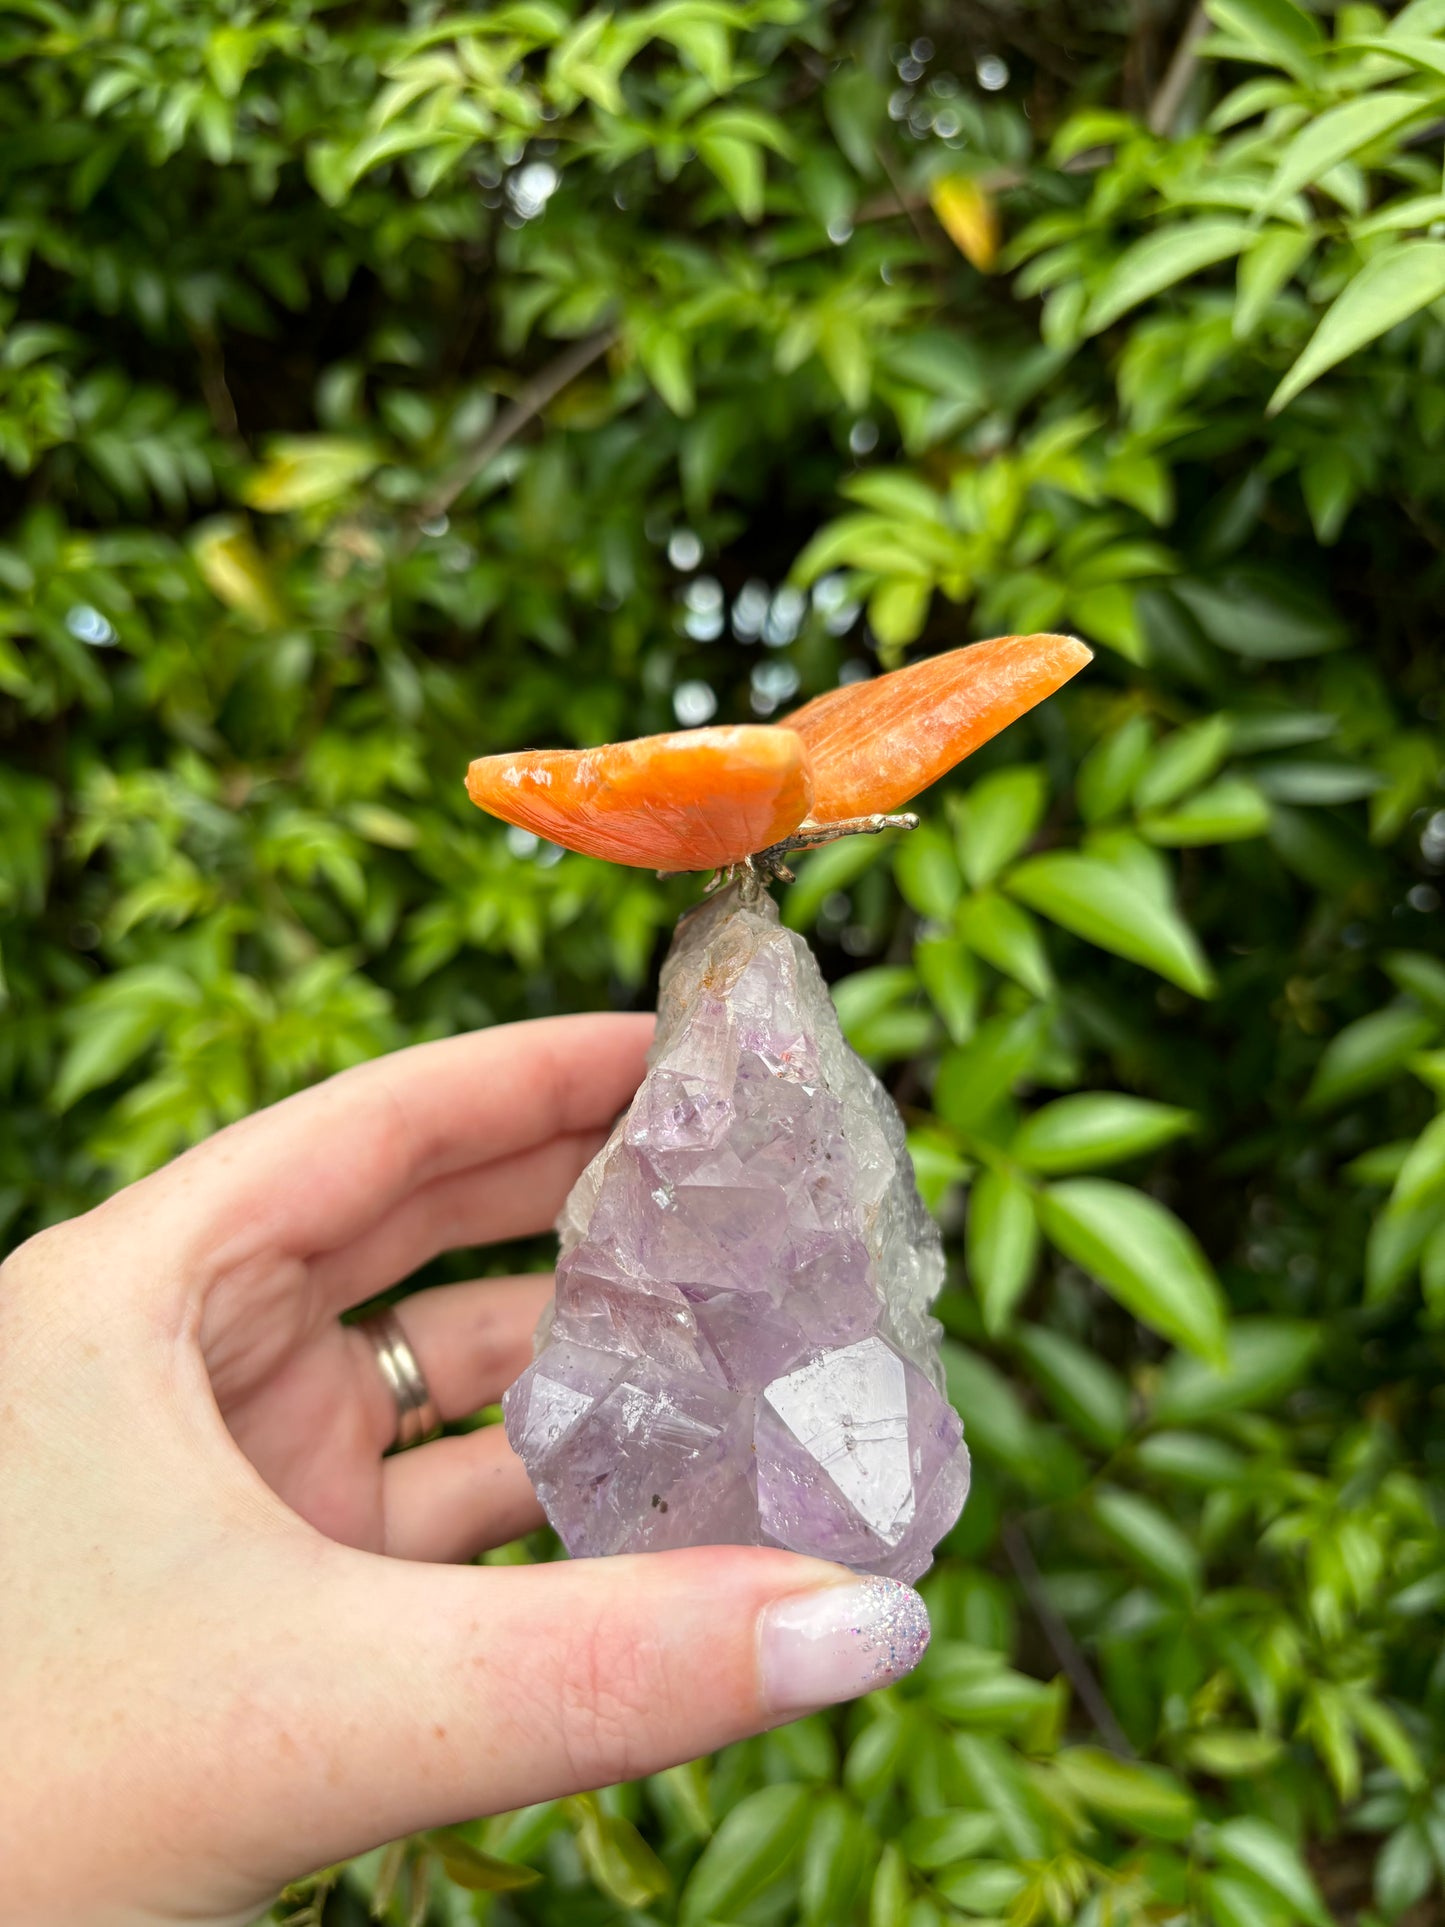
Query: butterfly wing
column 696, row 799
column 874, row 745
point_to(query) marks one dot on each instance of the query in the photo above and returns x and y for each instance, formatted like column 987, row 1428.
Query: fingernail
column 835, row 1642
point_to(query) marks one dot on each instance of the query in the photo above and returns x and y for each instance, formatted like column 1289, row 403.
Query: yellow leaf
column 968, row 217
column 235, row 571
column 308, row 471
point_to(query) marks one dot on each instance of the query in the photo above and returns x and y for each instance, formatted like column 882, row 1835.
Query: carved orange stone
column 696, row 799
column 875, row 745
column 702, row 799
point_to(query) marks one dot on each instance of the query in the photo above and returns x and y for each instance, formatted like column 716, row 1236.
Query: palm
column 302, row 1394
column 311, row 1427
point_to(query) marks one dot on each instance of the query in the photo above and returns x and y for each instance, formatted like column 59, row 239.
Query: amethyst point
column 741, row 1350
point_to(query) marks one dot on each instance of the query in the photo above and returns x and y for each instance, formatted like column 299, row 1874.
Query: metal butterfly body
column 713, row 799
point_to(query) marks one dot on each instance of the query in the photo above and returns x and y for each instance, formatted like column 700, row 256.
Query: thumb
column 447, row 1693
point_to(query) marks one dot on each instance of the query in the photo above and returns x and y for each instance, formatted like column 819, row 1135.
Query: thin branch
column 905, row 203
column 217, row 395
column 995, row 180
column 538, row 393
column 1065, row 1646
column 1165, row 108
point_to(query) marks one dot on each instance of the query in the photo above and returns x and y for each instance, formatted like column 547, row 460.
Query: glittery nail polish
column 835, row 1642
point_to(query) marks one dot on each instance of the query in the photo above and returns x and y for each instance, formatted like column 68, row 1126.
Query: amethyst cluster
column 740, row 1350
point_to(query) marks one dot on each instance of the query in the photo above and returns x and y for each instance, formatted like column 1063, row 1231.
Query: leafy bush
column 382, row 388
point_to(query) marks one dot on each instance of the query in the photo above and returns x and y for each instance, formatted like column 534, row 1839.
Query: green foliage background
column 380, row 386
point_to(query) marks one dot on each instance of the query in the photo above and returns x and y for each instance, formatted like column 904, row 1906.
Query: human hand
column 225, row 1656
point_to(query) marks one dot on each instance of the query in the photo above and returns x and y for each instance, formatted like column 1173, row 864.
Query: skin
column 231, row 1654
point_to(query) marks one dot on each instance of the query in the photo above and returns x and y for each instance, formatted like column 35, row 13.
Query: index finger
column 316, row 1169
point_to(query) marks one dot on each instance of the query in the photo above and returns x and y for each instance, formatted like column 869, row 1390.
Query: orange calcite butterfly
column 706, row 799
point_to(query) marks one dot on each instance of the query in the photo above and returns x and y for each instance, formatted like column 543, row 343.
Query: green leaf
column 1304, row 781
column 995, row 1422
column 1265, row 1358
column 616, row 1856
column 995, row 1780
column 1232, row 1753
column 1329, row 482
column 1003, row 1244
column 1392, row 286
column 1085, row 1392
column 896, row 493
column 1379, row 1165
column 1384, row 1731
column 1393, row 1249
column 1406, row 1869
column 1333, row 136
column 975, row 1077
column 1238, row 1900
column 1261, row 1849
column 738, row 164
column 121, row 1018
column 1410, row 211
column 478, row 1872
column 1285, row 34
column 1254, row 611
column 1006, row 936
column 948, row 973
column 1229, row 811
column 1263, row 729
column 876, row 1758
column 1427, row 55
column 1182, row 762
column 898, row 609
column 1142, row 1255
column 1421, row 976
column 667, row 360
column 889, row 1897
column 1112, row 767
column 836, row 1856
column 1264, row 268
column 1109, row 614
column 1366, row 1054
column 927, row 872
column 855, row 104
column 1097, row 902
column 937, row 1164
column 997, row 819
column 1161, row 259
column 879, row 1012
column 984, row 1887
column 1422, row 1175
column 973, row 1688
column 1190, row 1458
column 1129, row 1794
column 755, row 1844
column 932, row 1840
column 1085, row 1132
column 834, row 868
column 1149, row 1538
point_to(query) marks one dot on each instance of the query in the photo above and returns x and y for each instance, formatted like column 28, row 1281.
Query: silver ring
column 417, row 1417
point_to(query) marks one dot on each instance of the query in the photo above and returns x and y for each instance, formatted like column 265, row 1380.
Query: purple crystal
column 740, row 1350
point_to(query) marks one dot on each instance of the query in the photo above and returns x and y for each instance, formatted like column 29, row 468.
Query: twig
column 995, row 180
column 1165, row 107
column 905, row 202
column 1066, row 1647
column 219, row 404
column 544, row 387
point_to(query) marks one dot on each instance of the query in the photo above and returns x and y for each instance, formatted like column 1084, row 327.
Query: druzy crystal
column 740, row 1349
